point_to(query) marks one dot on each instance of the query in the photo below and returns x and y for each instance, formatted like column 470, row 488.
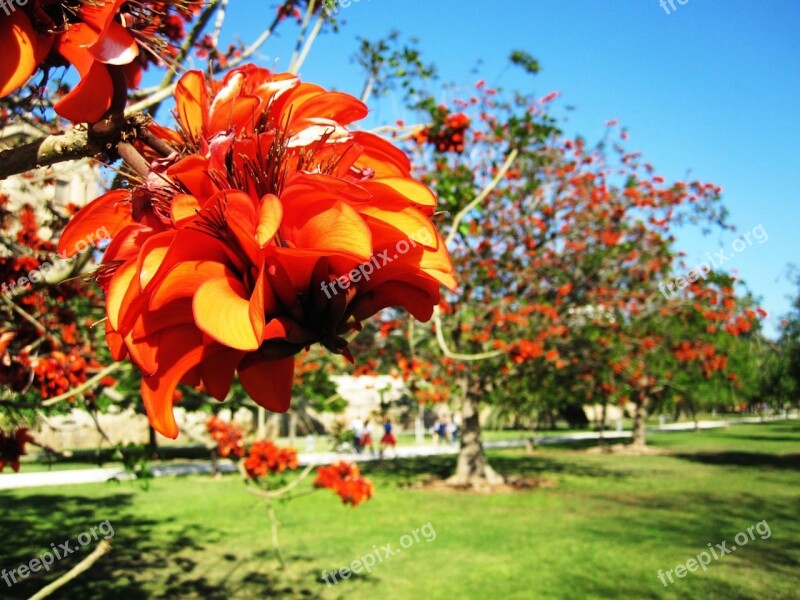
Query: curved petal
column 391, row 227
column 183, row 281
column 270, row 214
column 380, row 155
column 151, row 256
column 110, row 212
column 327, row 225
column 191, row 104
column 217, row 375
column 90, row 99
column 222, row 310
column 116, row 46
column 22, row 51
column 183, row 206
column 416, row 301
column 268, row 382
column 192, row 173
column 179, row 350
column 401, row 188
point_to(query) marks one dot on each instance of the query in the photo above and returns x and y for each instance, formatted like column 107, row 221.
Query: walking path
column 80, row 476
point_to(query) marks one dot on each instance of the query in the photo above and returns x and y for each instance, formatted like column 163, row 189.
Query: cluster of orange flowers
column 109, row 42
column 58, row 372
column 228, row 437
column 12, row 446
column 345, row 479
column 221, row 255
column 447, row 136
column 265, row 458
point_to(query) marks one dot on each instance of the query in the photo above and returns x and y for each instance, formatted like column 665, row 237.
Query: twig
column 220, row 20
column 103, row 548
column 501, row 173
column 437, row 319
column 25, row 315
column 282, row 491
column 437, row 314
column 186, row 47
column 309, row 42
column 275, row 524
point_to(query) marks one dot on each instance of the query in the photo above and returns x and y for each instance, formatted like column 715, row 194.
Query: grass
column 603, row 529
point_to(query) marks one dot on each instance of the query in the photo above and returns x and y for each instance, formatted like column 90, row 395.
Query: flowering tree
column 561, row 250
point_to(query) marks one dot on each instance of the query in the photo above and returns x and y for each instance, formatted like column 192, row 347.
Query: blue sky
column 710, row 91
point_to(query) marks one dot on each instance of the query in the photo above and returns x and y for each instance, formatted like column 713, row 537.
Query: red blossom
column 12, row 446
column 345, row 479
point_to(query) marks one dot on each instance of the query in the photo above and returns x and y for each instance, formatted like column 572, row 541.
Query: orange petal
column 111, row 211
column 222, row 310
column 270, row 214
column 329, row 225
column 217, row 374
column 117, row 290
column 380, row 155
column 116, row 46
column 192, row 173
column 183, row 281
column 22, row 51
column 395, row 293
column 91, row 97
column 179, row 350
column 151, row 256
column 268, row 382
column 391, row 227
column 183, row 206
column 191, row 104
column 401, row 188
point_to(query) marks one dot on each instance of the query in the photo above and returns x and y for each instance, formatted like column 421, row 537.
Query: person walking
column 388, row 438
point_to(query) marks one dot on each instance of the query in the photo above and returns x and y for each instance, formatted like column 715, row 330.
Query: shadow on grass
column 148, row 557
column 410, row 470
column 744, row 459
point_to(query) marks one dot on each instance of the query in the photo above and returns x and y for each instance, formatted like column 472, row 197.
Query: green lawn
column 603, row 529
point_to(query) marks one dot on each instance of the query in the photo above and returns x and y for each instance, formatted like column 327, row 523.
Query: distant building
column 73, row 182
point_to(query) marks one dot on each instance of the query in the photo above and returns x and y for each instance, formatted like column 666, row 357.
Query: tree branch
column 73, row 144
column 102, row 549
column 501, row 173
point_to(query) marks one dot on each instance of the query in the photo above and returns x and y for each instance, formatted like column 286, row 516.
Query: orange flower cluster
column 220, row 259
column 57, row 373
column 345, row 479
column 706, row 354
column 109, row 42
column 228, row 437
column 12, row 446
column 447, row 136
column 265, row 458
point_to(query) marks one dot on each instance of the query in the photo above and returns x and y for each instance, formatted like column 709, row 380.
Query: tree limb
column 71, row 145
column 103, row 548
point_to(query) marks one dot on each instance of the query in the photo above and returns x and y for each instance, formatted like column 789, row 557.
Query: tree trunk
column 640, row 423
column 473, row 469
column 603, row 417
column 152, row 446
